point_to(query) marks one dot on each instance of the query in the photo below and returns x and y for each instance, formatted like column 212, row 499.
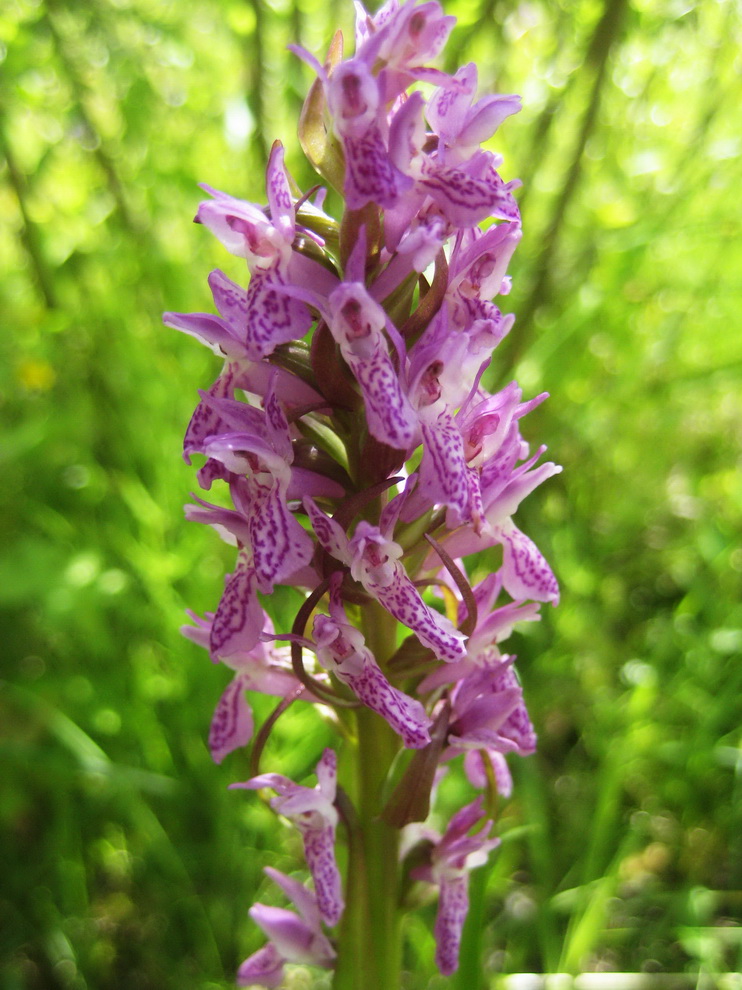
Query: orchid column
column 365, row 461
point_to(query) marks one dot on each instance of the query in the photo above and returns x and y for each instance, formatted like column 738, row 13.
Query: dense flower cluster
column 350, row 424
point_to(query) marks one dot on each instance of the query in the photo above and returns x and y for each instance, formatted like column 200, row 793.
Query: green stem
column 369, row 945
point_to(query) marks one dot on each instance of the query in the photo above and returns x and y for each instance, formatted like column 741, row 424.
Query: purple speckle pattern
column 319, row 850
column 517, row 727
column 280, row 201
column 453, row 905
column 205, row 421
column 405, row 715
column 370, row 176
column 443, row 468
column 272, row 317
column 278, row 427
column 239, row 618
column 388, row 412
column 342, row 649
column 279, row 544
column 232, row 723
column 312, row 811
column 464, row 199
column 504, row 206
column 329, row 533
column 526, row 575
column 231, row 301
column 403, row 601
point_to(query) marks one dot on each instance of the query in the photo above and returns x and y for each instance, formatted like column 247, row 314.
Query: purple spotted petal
column 370, row 176
column 240, row 418
column 375, row 563
column 273, row 317
column 448, row 107
column 504, row 206
column 464, row 199
column 279, row 194
column 453, row 856
column 232, row 724
column 472, row 190
column 388, row 412
column 405, row 715
column 206, row 421
column 341, row 648
column 238, row 622
column 278, row 427
column 453, row 905
column 443, row 472
column 330, row 534
column 403, row 601
column 319, row 850
column 279, row 544
column 353, row 100
column 525, row 573
column 231, row 301
column 517, row 727
column 313, row 812
column 453, row 118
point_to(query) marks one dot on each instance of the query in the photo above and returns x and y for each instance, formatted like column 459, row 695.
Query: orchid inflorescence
column 365, row 459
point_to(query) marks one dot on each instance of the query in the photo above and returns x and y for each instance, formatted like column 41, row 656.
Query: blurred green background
column 125, row 861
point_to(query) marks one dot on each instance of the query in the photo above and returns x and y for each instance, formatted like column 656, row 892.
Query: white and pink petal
column 525, row 573
column 402, row 599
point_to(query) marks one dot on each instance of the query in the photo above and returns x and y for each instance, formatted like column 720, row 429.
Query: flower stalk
column 367, row 466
